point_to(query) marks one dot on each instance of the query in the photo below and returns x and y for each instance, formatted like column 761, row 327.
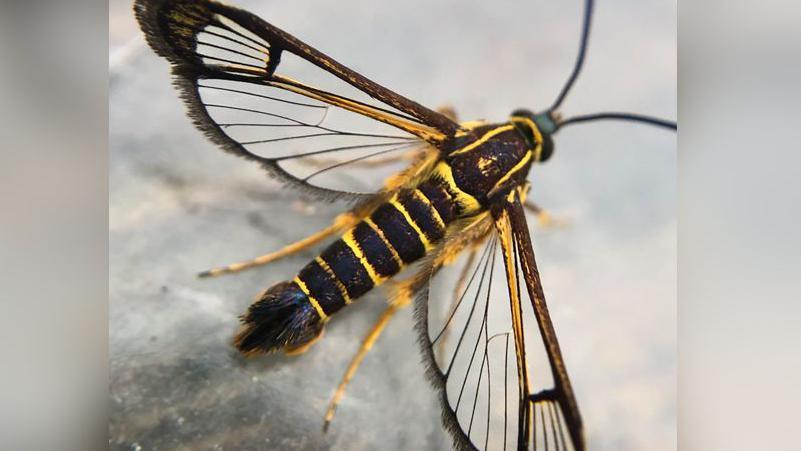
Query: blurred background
column 178, row 205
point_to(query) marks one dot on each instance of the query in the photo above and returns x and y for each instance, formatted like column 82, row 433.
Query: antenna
column 671, row 125
column 585, row 36
column 555, row 117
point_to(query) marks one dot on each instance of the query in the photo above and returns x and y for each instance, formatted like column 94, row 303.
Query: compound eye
column 547, row 148
column 522, row 112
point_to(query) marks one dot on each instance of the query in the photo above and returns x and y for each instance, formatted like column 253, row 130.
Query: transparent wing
column 491, row 353
column 239, row 77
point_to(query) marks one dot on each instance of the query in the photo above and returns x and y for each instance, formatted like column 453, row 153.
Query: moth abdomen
column 290, row 315
column 282, row 318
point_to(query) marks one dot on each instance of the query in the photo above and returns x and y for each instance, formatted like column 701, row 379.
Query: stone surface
column 179, row 206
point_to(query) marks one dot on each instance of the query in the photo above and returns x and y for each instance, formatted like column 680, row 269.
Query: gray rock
column 178, row 206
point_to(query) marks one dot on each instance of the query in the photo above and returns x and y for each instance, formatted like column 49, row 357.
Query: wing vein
column 353, row 160
column 470, row 316
column 237, row 41
column 208, row 44
column 224, row 26
column 478, row 338
column 236, row 63
column 253, row 94
column 467, row 287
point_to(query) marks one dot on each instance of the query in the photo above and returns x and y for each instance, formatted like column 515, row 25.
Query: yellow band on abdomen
column 312, row 300
column 469, row 203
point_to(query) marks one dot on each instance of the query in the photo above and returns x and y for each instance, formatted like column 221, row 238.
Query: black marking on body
column 422, row 215
column 400, row 234
column 440, row 198
column 322, row 287
column 348, row 269
column 476, row 172
column 375, row 250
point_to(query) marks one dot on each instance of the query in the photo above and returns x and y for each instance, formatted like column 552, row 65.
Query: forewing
column 499, row 372
column 239, row 77
column 520, row 263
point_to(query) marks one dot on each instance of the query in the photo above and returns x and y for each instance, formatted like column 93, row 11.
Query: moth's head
column 537, row 129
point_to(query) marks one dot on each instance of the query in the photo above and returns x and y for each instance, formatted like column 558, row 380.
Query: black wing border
column 147, row 12
column 188, row 69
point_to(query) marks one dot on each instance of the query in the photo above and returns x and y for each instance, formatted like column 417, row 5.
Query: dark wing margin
column 222, row 52
column 500, row 386
column 510, row 221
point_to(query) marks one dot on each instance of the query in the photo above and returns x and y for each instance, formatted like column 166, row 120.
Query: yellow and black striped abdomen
column 289, row 315
column 396, row 234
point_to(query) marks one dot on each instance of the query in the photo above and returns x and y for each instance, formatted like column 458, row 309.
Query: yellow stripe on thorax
column 399, row 206
column 344, row 291
column 537, row 135
column 380, row 233
column 422, row 197
column 520, row 164
column 350, row 240
column 483, row 139
column 469, row 203
column 311, row 298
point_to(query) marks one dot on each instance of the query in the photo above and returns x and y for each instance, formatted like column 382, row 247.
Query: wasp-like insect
column 463, row 190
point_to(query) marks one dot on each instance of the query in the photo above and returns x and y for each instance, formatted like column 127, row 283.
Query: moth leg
column 402, row 297
column 544, row 217
column 342, row 222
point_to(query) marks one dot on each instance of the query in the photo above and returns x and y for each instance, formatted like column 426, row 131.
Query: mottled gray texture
column 178, row 206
